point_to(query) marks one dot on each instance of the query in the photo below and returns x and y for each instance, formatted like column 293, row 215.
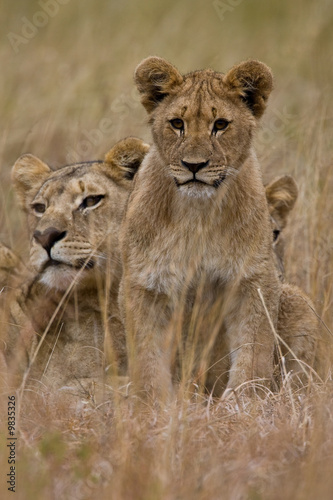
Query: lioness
column 68, row 306
column 196, row 238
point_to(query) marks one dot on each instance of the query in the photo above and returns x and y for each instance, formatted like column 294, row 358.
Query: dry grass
column 54, row 93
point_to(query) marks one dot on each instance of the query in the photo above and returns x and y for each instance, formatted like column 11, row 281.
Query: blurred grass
column 54, row 93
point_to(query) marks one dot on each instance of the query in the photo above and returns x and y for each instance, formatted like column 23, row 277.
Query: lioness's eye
column 177, row 123
column 39, row 208
column 276, row 234
column 91, row 201
column 220, row 124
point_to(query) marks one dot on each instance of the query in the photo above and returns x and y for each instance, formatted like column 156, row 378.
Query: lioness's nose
column 195, row 167
column 49, row 237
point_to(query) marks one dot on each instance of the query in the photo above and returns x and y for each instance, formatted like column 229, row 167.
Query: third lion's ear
column 253, row 82
column 281, row 196
column 155, row 78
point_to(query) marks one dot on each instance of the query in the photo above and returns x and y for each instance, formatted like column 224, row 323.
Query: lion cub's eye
column 91, row 201
column 177, row 123
column 276, row 234
column 219, row 125
column 38, row 208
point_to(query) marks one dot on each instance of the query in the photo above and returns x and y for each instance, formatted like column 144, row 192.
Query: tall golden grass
column 56, row 89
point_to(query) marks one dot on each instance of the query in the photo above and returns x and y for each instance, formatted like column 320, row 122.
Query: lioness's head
column 203, row 122
column 74, row 213
column 281, row 196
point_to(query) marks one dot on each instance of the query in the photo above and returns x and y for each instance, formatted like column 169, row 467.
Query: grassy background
column 57, row 88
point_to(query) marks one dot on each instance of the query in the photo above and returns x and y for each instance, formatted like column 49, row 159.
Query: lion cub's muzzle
column 196, row 171
column 190, row 172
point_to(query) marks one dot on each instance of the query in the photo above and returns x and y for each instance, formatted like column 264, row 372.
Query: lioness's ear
column 155, row 78
column 281, row 196
column 253, row 81
column 28, row 174
column 124, row 159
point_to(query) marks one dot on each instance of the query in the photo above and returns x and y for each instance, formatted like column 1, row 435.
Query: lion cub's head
column 74, row 213
column 203, row 122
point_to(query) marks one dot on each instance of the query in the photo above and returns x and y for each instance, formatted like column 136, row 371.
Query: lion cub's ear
column 28, row 174
column 155, row 78
column 253, row 82
column 124, row 159
column 281, row 196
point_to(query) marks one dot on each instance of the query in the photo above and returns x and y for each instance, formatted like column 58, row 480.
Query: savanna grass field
column 67, row 94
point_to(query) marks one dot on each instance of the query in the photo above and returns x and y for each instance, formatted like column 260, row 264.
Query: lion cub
column 196, row 238
column 63, row 313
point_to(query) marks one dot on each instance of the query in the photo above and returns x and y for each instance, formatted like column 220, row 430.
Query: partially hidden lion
column 298, row 325
column 66, row 329
column 196, row 238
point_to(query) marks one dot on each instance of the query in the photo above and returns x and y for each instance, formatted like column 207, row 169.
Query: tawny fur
column 72, row 295
column 200, row 250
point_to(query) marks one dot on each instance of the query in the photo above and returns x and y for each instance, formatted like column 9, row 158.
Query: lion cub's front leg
column 149, row 341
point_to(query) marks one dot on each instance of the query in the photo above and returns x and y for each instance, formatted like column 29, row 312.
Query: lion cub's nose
column 195, row 167
column 49, row 237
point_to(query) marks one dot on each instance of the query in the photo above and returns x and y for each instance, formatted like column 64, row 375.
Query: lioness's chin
column 61, row 277
column 197, row 190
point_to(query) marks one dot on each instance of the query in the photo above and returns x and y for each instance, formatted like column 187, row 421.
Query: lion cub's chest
column 178, row 260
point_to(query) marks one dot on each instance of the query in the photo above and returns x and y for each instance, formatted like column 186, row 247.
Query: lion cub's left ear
column 124, row 159
column 253, row 82
column 28, row 174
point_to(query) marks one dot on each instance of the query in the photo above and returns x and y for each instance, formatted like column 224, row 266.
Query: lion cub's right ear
column 28, row 174
column 155, row 78
column 124, row 159
column 281, row 196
